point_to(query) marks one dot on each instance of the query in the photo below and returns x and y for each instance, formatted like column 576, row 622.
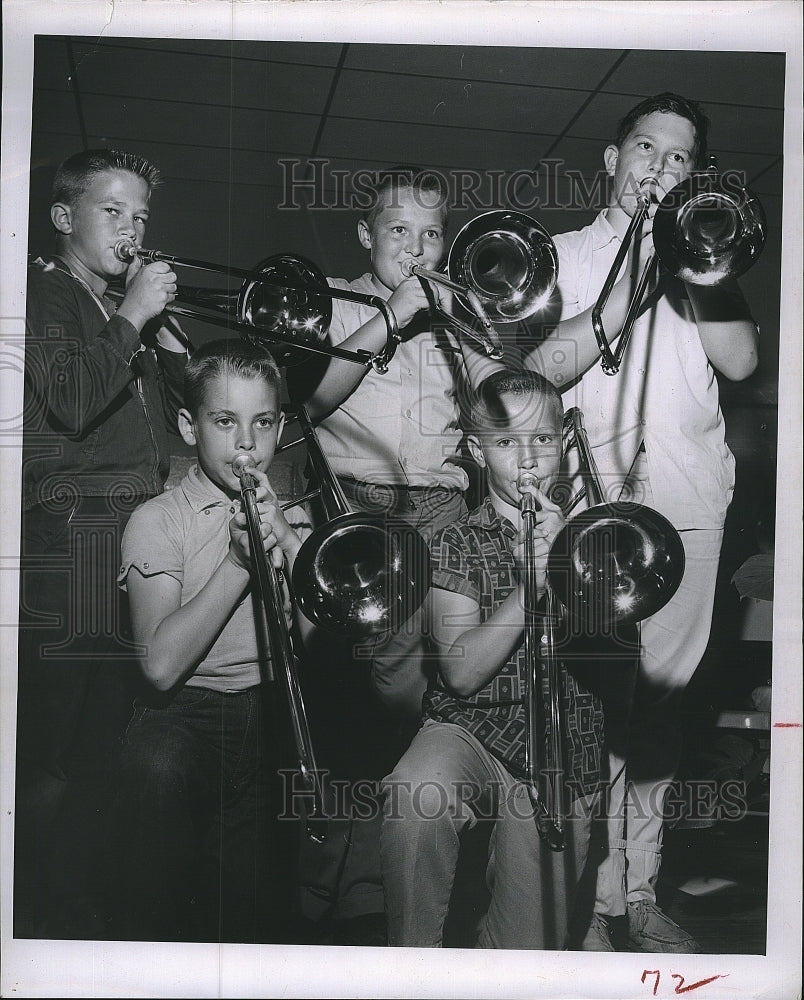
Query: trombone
column 356, row 575
column 284, row 302
column 614, row 563
column 282, row 656
column 546, row 786
column 705, row 231
column 505, row 265
column 353, row 576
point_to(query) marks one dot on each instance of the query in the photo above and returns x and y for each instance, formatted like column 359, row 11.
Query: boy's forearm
column 479, row 653
column 728, row 333
column 78, row 379
column 577, row 342
column 342, row 377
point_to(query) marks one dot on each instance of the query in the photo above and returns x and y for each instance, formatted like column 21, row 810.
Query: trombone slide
column 541, row 663
column 265, row 310
column 282, row 655
column 487, row 336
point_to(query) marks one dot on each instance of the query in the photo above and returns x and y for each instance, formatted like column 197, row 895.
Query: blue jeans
column 444, row 785
column 193, row 841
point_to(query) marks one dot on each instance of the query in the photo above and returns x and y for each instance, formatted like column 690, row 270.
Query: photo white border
column 109, row 969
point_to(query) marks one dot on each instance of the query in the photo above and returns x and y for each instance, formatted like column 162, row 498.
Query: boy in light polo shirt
column 192, row 833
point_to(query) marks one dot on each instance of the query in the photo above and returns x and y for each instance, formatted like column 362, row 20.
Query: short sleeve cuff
column 455, row 584
column 150, row 545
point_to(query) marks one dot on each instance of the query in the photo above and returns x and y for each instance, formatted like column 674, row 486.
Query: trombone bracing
column 546, row 783
column 282, row 656
column 705, row 231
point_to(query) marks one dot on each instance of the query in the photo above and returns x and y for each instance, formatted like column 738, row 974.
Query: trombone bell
column 508, row 260
column 705, row 232
column 281, row 299
column 360, row 576
column 616, row 563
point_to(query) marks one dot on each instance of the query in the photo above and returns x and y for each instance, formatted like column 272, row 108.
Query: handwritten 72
column 679, row 987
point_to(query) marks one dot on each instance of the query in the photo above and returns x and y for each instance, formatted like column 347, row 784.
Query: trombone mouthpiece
column 528, row 501
column 408, row 267
column 241, row 466
column 125, row 250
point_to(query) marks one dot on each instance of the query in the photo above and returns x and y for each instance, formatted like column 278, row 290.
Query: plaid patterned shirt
column 473, row 557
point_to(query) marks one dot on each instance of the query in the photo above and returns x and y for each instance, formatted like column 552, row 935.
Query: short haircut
column 75, row 173
column 487, row 413
column 429, row 185
column 677, row 105
column 228, row 356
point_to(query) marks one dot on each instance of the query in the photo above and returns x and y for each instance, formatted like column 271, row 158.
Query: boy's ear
column 476, row 450
column 186, row 426
column 62, row 217
column 364, row 234
column 610, row 157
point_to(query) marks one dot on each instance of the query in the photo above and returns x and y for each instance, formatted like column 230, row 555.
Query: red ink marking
column 681, row 988
column 787, row 725
column 652, row 972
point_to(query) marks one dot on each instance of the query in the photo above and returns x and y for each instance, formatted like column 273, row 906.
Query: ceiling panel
column 750, row 78
column 303, row 53
column 162, row 76
column 435, row 145
column 532, row 67
column 431, row 100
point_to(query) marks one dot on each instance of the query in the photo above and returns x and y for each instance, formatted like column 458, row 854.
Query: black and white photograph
column 401, row 499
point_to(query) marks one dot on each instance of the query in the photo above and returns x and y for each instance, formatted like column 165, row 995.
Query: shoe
column 651, row 930
column 598, row 936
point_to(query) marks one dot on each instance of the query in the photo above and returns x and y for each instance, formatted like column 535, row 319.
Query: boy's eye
column 678, row 157
column 111, row 211
column 433, row 234
column 224, row 421
column 645, row 144
column 544, row 439
column 505, row 442
column 399, row 230
column 266, row 423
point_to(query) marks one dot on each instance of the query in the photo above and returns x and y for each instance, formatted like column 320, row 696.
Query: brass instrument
column 282, row 656
column 546, row 785
column 505, row 265
column 283, row 303
column 706, row 230
column 613, row 563
column 355, row 575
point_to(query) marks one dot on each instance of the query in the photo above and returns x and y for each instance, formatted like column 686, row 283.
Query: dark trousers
column 192, row 841
column 76, row 684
